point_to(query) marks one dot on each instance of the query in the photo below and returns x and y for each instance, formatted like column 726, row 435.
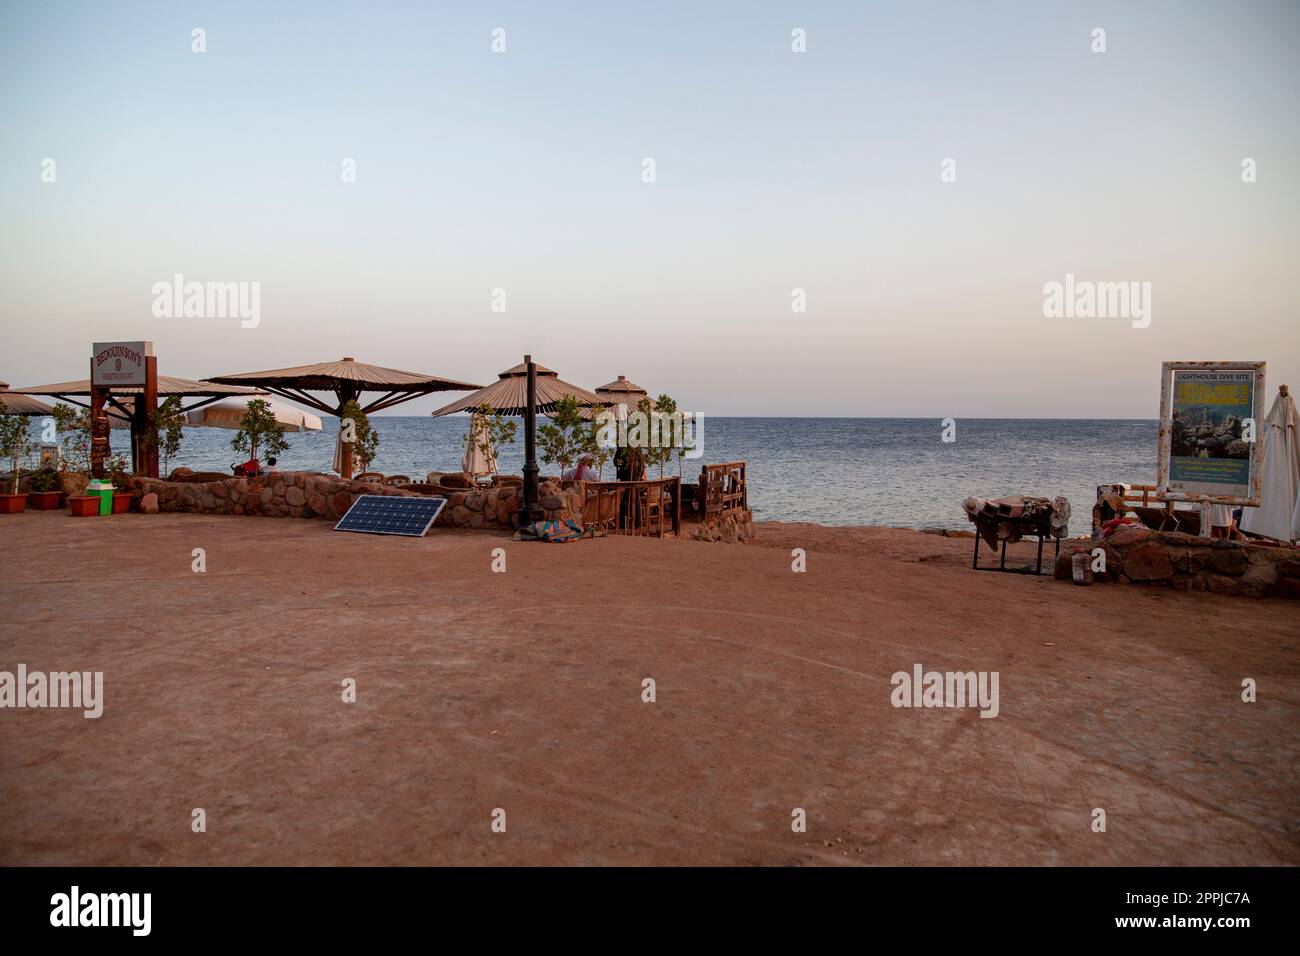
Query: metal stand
column 1036, row 569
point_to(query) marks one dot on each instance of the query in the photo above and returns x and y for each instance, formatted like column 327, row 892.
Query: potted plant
column 122, row 496
column 16, row 446
column 45, row 494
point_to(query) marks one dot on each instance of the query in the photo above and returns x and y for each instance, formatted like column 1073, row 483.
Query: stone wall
column 310, row 495
column 1185, row 562
column 733, row 527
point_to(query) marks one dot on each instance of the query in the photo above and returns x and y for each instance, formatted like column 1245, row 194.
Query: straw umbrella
column 508, row 395
column 527, row 389
column 347, row 379
column 1279, row 499
column 622, row 392
column 123, row 399
column 17, row 404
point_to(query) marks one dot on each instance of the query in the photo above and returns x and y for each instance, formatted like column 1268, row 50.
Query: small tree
column 14, row 441
column 564, row 439
column 259, row 431
column 165, row 423
column 365, row 444
column 600, row 454
column 73, row 426
column 490, row 431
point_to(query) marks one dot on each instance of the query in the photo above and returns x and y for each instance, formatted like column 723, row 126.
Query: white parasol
column 1279, row 499
column 228, row 412
column 476, row 462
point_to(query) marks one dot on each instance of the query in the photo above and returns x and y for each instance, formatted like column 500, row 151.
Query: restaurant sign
column 1210, row 417
column 119, row 364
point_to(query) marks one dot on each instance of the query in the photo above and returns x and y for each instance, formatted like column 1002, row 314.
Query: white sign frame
column 1167, row 370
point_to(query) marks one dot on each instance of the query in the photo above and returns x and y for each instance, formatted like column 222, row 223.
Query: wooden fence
column 652, row 508
column 723, row 489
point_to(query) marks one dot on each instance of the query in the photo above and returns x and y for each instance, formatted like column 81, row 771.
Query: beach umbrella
column 508, row 395
column 230, row 412
column 1279, row 498
column 477, row 462
column 622, row 392
column 347, row 379
column 22, row 404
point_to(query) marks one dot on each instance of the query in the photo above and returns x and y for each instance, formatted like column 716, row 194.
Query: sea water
column 838, row 471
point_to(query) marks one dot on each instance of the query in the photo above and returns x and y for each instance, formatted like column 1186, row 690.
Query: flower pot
column 12, row 504
column 83, row 506
column 45, row 500
column 122, row 502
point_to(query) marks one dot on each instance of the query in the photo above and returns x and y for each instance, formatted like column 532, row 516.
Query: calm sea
column 838, row 471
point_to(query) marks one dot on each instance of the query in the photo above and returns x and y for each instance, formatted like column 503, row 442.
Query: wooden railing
column 723, row 489
column 652, row 508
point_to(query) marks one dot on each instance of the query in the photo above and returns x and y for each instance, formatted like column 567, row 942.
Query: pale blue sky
column 775, row 170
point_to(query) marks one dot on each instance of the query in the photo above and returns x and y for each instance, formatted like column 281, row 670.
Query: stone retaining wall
column 733, row 527
column 310, row 495
column 1185, row 562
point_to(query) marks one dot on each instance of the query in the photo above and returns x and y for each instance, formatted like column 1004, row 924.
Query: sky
column 774, row 170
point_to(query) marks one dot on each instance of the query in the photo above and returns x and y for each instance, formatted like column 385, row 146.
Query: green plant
column 365, row 438
column 14, row 441
column 165, row 424
column 73, row 425
column 259, row 431
column 565, row 438
column 490, row 431
column 45, row 480
column 599, row 453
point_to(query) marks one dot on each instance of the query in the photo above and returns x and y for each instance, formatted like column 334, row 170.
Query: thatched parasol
column 509, row 393
column 347, row 379
column 622, row 392
column 16, row 404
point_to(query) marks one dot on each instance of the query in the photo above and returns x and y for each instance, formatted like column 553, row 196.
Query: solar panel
column 391, row 514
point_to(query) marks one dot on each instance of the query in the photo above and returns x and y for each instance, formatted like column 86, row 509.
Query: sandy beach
column 523, row 691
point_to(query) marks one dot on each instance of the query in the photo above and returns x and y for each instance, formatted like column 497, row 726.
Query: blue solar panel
column 391, row 514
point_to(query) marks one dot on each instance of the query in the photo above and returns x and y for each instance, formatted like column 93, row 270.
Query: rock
column 220, row 489
column 293, row 494
column 474, row 501
column 1130, row 536
column 1148, row 561
column 1230, row 561
column 317, row 504
column 460, row 516
column 552, row 502
column 149, row 504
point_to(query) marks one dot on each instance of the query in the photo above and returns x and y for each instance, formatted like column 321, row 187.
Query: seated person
column 582, row 471
column 269, row 468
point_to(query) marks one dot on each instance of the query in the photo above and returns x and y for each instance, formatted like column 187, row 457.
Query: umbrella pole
column 531, row 511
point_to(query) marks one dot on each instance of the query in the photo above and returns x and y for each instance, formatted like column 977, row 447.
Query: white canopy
column 1279, row 499
column 228, row 412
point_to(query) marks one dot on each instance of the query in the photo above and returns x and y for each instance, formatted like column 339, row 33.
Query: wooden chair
column 397, row 480
column 370, row 476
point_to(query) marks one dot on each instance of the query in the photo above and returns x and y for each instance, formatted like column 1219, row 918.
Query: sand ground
column 523, row 691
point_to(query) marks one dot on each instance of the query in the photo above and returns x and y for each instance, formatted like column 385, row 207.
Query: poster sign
column 1210, row 431
column 119, row 364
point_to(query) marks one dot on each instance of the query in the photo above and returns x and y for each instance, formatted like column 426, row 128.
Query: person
column 629, row 463
column 269, row 468
column 583, row 471
column 1223, row 523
